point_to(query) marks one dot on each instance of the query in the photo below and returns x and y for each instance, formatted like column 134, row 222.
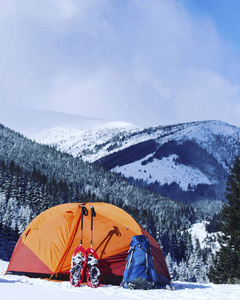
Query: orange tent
column 46, row 246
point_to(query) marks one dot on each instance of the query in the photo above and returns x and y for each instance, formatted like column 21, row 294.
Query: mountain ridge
column 34, row 177
column 186, row 161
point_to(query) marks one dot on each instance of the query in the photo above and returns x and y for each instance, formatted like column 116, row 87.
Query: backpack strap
column 130, row 251
column 146, row 252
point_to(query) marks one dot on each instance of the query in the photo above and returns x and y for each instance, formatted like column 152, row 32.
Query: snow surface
column 164, row 170
column 23, row 288
column 198, row 231
column 68, row 133
column 75, row 139
column 92, row 139
column 36, row 122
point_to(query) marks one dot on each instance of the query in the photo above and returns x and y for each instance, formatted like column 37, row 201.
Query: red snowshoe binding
column 78, row 265
column 92, row 271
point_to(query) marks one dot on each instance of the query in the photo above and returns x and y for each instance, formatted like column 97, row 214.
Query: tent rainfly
column 46, row 246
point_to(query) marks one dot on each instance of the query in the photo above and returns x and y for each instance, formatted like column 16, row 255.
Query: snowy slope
column 36, row 122
column 95, row 138
column 137, row 152
column 198, row 231
column 74, row 134
column 204, row 133
column 173, row 172
column 23, row 288
column 81, row 141
column 190, row 155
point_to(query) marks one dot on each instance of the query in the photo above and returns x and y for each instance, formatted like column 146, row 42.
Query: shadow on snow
column 190, row 286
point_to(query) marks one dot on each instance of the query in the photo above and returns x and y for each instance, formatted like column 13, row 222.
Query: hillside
column 31, row 156
column 34, row 177
column 186, row 162
column 30, row 122
column 72, row 132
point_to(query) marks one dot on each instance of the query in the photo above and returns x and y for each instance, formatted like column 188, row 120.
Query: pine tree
column 3, row 205
column 226, row 267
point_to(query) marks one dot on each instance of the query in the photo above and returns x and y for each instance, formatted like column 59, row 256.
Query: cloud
column 207, row 96
column 148, row 62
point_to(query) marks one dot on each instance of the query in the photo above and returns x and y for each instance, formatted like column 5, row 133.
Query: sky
column 148, row 62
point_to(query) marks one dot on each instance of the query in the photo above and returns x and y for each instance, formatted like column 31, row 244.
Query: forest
column 34, row 177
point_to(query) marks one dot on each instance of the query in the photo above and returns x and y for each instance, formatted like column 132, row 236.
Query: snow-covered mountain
column 69, row 133
column 35, row 123
column 188, row 155
column 186, row 161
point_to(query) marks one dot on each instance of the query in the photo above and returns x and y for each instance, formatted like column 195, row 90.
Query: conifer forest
column 35, row 177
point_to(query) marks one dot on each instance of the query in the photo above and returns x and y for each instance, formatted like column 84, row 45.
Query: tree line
column 35, row 177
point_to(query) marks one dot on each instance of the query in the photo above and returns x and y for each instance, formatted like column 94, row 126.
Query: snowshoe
column 92, row 271
column 78, row 265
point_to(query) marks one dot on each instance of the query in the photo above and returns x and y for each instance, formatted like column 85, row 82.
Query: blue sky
column 224, row 14
column 149, row 62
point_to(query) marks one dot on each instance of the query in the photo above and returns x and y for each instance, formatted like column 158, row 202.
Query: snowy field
column 23, row 288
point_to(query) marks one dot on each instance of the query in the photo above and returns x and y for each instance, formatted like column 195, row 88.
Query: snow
column 75, row 139
column 165, row 171
column 23, row 288
column 198, row 231
column 31, row 122
column 92, row 139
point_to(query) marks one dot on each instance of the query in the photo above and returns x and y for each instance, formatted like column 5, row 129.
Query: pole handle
column 93, row 214
column 84, row 210
column 84, row 213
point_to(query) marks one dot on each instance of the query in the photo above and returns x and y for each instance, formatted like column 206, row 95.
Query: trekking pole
column 84, row 213
column 79, row 257
column 93, row 214
column 92, row 271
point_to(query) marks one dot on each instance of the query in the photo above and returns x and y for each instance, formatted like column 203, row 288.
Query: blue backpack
column 139, row 272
